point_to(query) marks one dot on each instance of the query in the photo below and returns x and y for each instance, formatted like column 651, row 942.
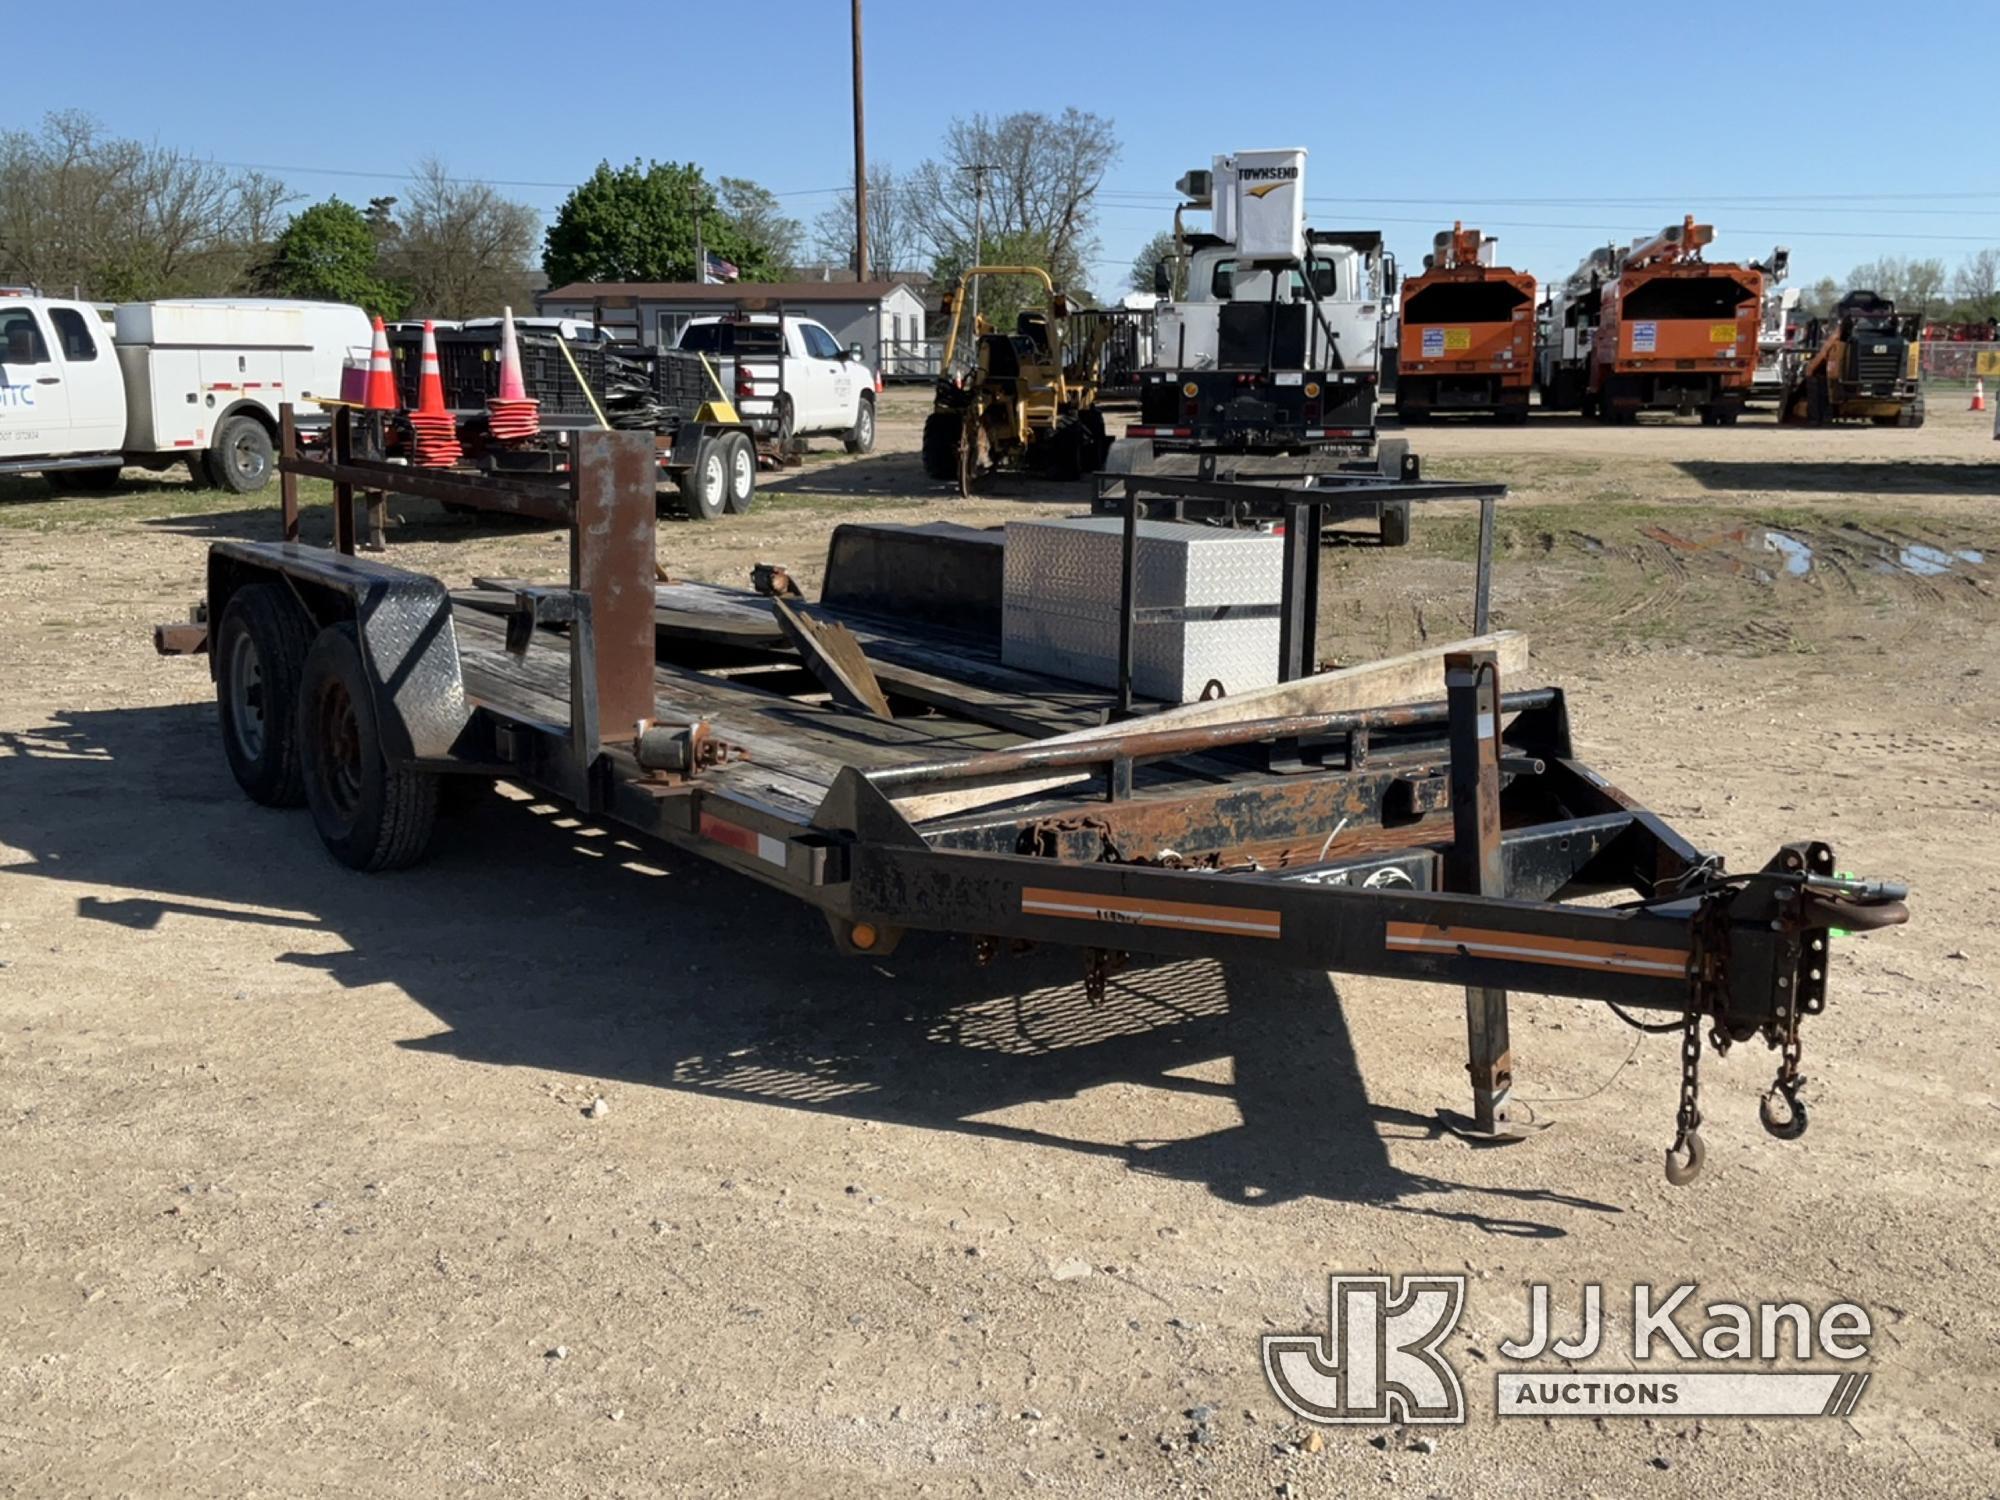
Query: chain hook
column 1680, row 1173
column 1788, row 1122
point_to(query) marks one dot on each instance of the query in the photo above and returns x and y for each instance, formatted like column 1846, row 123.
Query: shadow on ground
column 539, row 942
column 1863, row 478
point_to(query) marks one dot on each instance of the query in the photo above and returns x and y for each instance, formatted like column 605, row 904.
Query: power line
column 511, row 182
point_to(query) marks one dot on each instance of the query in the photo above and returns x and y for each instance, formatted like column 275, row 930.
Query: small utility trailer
column 1222, row 491
column 873, row 757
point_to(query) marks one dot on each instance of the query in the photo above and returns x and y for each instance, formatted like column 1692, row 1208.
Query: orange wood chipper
column 1676, row 332
column 1468, row 333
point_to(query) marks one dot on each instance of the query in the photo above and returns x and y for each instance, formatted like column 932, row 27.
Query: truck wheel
column 705, row 484
column 260, row 649
column 1396, row 523
column 861, row 437
column 942, row 430
column 370, row 815
column 787, row 424
column 741, row 461
column 240, row 461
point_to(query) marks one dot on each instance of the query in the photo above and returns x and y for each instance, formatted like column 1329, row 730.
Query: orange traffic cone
column 1979, row 393
column 512, row 414
column 381, row 379
column 435, row 428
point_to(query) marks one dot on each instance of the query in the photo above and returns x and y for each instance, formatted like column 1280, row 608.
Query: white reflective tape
column 1527, row 954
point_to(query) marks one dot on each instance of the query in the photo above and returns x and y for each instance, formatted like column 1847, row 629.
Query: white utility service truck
column 1268, row 337
column 194, row 381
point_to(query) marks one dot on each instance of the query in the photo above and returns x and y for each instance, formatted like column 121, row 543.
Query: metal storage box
column 1062, row 587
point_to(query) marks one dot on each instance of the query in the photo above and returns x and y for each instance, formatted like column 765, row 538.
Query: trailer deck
column 1405, row 818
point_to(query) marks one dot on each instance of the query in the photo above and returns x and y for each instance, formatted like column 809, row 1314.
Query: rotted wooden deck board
column 800, row 747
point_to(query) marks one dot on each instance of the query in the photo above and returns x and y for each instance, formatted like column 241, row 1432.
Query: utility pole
column 978, row 169
column 860, row 163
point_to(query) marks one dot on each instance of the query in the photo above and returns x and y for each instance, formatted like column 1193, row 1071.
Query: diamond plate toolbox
column 1059, row 605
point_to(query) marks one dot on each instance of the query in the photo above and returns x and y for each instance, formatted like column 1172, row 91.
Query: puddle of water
column 1924, row 561
column 1796, row 551
column 1917, row 559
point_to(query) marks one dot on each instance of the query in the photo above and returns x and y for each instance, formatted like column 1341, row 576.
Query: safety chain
column 1708, row 986
column 1789, row 1122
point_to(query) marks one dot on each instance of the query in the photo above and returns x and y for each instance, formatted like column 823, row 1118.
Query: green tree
column 638, row 223
column 1160, row 247
column 775, row 239
column 1004, row 298
column 327, row 254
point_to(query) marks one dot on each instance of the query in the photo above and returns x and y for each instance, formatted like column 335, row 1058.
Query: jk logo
column 1379, row 1359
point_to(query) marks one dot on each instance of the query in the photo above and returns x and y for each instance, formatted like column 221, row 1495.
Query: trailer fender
column 403, row 621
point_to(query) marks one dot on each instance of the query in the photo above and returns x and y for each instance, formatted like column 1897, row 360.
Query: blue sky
column 1504, row 115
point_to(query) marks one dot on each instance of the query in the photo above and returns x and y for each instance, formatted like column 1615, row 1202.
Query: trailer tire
column 240, row 460
column 370, row 814
column 1396, row 523
column 742, row 465
column 260, row 651
column 942, row 430
column 861, row 437
column 705, row 483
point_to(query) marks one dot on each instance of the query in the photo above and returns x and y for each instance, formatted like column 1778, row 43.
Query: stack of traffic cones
column 512, row 415
column 1979, row 393
column 381, row 391
column 434, row 427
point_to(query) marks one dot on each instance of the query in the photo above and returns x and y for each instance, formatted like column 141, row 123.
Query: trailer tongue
column 1332, row 822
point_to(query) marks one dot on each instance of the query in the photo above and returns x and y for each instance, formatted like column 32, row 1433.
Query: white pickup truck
column 789, row 377
column 195, row 381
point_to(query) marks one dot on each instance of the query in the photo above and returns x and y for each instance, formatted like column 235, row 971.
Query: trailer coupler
column 1813, row 905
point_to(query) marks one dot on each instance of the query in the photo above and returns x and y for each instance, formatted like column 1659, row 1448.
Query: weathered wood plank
column 1413, row 678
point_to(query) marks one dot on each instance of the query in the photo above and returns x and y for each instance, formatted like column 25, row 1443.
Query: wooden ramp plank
column 1416, row 677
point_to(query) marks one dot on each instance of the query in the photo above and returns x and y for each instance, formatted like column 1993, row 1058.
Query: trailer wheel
column 942, row 430
column 741, row 461
column 240, row 461
column 861, row 437
column 260, row 649
column 705, row 484
column 1396, row 523
column 370, row 815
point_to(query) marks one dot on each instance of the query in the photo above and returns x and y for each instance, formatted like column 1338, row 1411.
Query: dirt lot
column 298, row 1196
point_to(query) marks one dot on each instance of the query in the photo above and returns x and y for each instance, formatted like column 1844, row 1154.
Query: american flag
column 717, row 270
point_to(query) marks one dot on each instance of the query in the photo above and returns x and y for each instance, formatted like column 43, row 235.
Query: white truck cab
column 1348, row 280
column 789, row 377
column 197, row 381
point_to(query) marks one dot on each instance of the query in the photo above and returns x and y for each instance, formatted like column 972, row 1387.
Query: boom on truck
column 1776, row 331
column 1468, row 332
column 1268, row 338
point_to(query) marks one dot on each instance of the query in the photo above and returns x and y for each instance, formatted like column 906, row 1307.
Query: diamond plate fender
column 404, row 622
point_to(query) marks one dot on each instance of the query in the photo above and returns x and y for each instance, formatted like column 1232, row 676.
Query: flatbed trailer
column 1441, row 833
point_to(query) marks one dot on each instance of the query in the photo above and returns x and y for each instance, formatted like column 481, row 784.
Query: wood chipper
column 1858, row 366
column 1029, row 402
column 1468, row 333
